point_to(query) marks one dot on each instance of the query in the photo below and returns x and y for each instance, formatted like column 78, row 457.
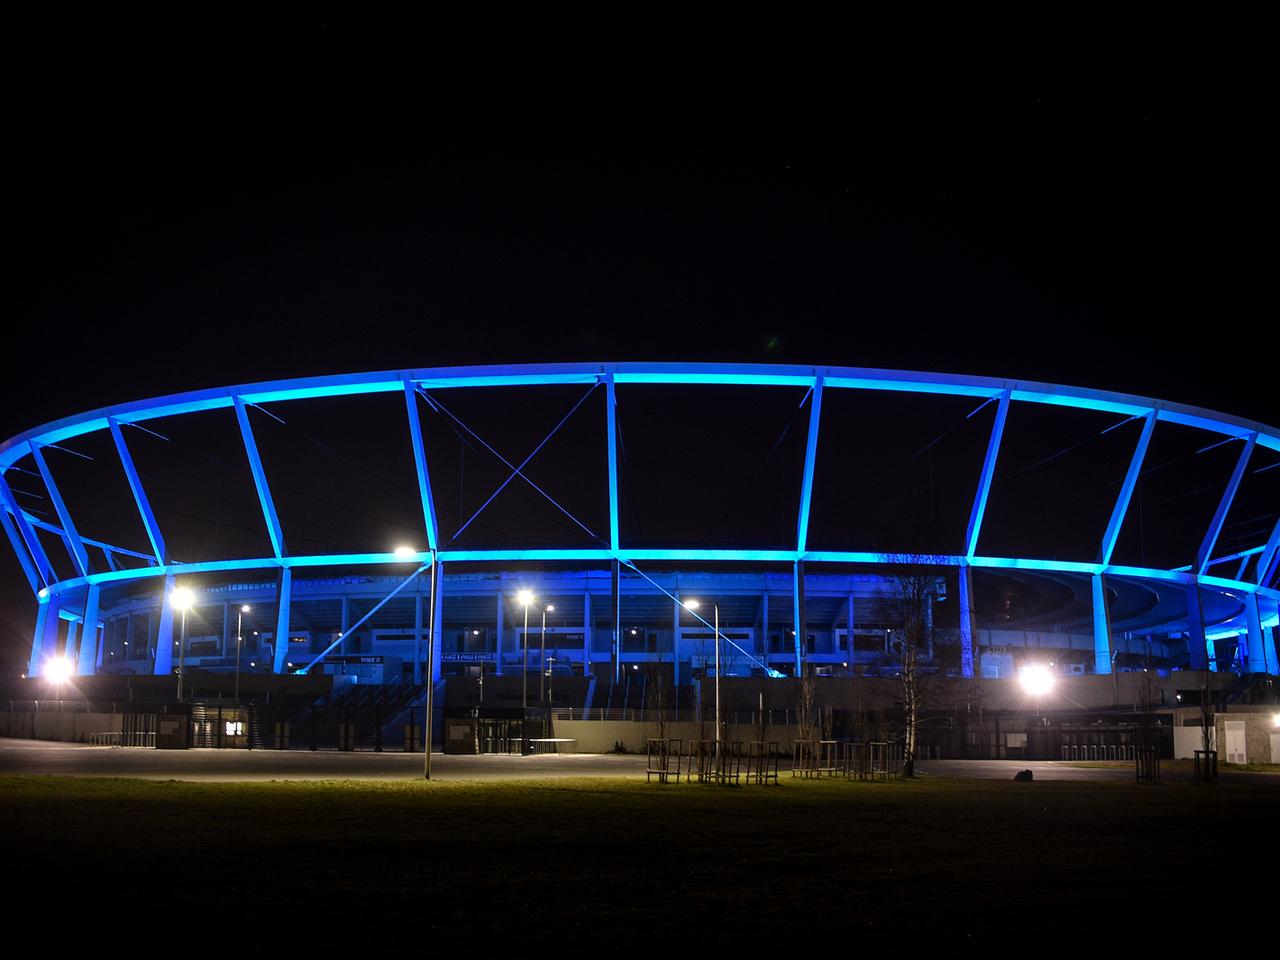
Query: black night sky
column 226, row 219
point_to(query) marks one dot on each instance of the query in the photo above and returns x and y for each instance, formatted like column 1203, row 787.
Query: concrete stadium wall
column 600, row 736
column 45, row 725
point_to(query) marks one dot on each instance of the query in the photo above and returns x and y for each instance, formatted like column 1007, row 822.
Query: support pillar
column 417, row 633
column 586, row 633
column 502, row 610
column 226, row 627
column 764, row 626
column 72, row 651
column 437, row 618
column 1197, row 645
column 164, row 638
column 675, row 638
column 344, row 623
column 848, row 633
column 1269, row 650
column 90, row 651
column 1261, row 659
column 1101, row 627
column 284, row 597
column 966, row 620
column 615, row 620
column 37, row 638
column 798, row 619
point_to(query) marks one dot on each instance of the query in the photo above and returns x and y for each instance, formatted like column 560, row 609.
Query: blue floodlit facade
column 616, row 605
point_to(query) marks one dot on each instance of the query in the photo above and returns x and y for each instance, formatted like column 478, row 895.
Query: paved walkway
column 71, row 759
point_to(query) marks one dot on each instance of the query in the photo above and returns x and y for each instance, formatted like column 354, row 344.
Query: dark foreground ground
column 616, row 865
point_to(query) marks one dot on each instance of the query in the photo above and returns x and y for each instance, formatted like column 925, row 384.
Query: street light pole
column 182, row 649
column 182, row 599
column 431, row 671
column 526, row 598
column 542, row 647
column 244, row 608
column 693, row 605
column 717, row 633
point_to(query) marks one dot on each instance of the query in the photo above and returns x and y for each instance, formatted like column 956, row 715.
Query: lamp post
column 182, row 600
column 550, row 676
column 244, row 608
column 693, row 605
column 525, row 598
column 542, row 646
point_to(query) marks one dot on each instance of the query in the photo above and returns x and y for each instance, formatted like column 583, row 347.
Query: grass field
column 389, row 867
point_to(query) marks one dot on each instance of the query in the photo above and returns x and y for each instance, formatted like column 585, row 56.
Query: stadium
column 543, row 531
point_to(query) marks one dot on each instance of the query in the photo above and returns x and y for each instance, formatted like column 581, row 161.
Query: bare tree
column 1207, row 736
column 805, row 703
column 906, row 602
column 657, row 696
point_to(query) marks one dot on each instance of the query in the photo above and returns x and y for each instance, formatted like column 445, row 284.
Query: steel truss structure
column 75, row 599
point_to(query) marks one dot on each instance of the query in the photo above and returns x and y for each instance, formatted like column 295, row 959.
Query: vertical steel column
column 417, row 632
column 74, row 545
column 260, row 480
column 1121, row 507
column 675, row 638
column 89, row 646
column 764, row 625
column 38, row 555
column 1269, row 650
column 1257, row 649
column 433, row 651
column 139, row 495
column 71, row 652
column 163, row 665
column 1197, row 644
column 434, row 646
column 1205, row 553
column 810, row 457
column 611, row 422
column 848, row 637
column 344, row 623
column 798, row 617
column 284, row 597
column 586, row 633
column 615, row 619
column 226, row 629
column 420, row 464
column 36, row 661
column 501, row 625
column 988, row 472
column 1101, row 627
column 966, row 619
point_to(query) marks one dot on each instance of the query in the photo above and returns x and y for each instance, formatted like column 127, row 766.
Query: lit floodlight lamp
column 551, row 608
column 182, row 598
column 691, row 604
column 1036, row 679
column 245, row 608
column 406, row 553
column 524, row 597
column 57, row 669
